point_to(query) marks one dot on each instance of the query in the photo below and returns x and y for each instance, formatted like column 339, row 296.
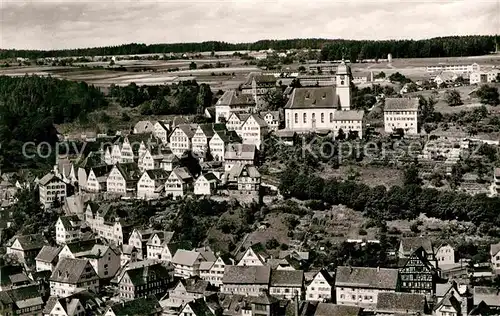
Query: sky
column 60, row 24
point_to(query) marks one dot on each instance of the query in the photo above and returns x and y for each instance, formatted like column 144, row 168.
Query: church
column 324, row 109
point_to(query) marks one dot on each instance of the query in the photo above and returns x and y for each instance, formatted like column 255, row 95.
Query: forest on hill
column 453, row 46
column 29, row 108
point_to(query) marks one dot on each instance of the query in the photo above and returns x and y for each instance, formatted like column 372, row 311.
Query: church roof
column 317, row 97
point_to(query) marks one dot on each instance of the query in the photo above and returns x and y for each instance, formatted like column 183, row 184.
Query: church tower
column 344, row 86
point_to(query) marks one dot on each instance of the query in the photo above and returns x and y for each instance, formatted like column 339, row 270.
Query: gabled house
column 12, row 276
column 287, row 284
column 181, row 139
column 253, row 130
column 71, row 275
column 108, row 222
column 144, row 306
column 449, row 295
column 445, row 255
column 390, row 303
column 206, row 184
column 272, row 119
column 201, row 139
column 65, row 170
column 97, row 179
column 104, row 259
column 359, row 286
column 233, row 101
column 235, row 121
column 179, row 182
column 52, row 189
column 47, row 258
column 488, row 295
column 139, row 239
column 213, row 271
column 187, row 263
column 257, row 85
column 169, row 161
column 321, row 287
column 495, row 257
column 449, row 305
column 151, row 184
column 26, row 247
column 255, row 255
column 160, row 246
column 144, row 278
column 246, row 280
column 78, row 304
column 161, row 131
column 68, row 229
column 93, row 159
column 187, row 291
column 417, row 274
column 219, row 142
column 123, row 179
column 244, row 182
column 244, row 154
column 128, row 254
column 197, row 308
column 408, row 245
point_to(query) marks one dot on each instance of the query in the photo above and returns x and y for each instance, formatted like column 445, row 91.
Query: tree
column 274, row 99
column 380, row 75
column 192, row 66
column 453, row 98
column 488, row 95
column 340, row 134
column 411, row 175
column 302, row 69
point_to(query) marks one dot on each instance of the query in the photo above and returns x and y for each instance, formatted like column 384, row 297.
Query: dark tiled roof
column 70, row 222
column 490, row 295
column 48, row 178
column 140, row 275
column 401, row 104
column 130, row 171
column 367, row 277
column 158, row 174
column 48, row 254
column 233, row 97
column 401, row 302
column 139, row 307
column 449, row 301
column 246, row 275
column 287, row 277
column 304, row 98
column 350, row 115
column 69, row 270
column 185, row 257
column 410, row 244
column 30, row 242
column 195, row 285
column 7, row 271
column 228, row 136
column 329, row 309
column 240, row 151
column 200, row 308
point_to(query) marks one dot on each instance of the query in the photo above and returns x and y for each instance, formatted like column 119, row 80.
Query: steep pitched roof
column 238, row 168
column 410, row 244
column 143, row 126
column 401, row 104
column 188, row 129
column 48, row 178
column 207, row 129
column 287, row 278
column 246, row 275
column 7, row 271
column 70, row 222
column 185, row 257
column 195, row 285
column 25, row 296
column 316, row 98
column 449, row 301
column 200, row 308
column 240, row 151
column 228, row 136
column 367, row 277
column 30, row 242
column 130, row 171
column 258, row 119
column 183, row 173
column 165, row 237
column 490, row 295
column 401, row 302
column 157, row 174
column 69, row 270
column 234, row 97
column 48, row 254
column 140, row 275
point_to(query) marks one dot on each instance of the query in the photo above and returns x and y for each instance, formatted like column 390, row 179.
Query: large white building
column 319, row 108
column 484, row 76
column 51, row 189
column 454, row 67
column 401, row 113
column 233, row 101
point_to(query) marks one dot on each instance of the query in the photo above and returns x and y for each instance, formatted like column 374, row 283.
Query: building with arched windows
column 324, row 109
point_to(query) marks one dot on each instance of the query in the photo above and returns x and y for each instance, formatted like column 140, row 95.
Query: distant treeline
column 331, row 49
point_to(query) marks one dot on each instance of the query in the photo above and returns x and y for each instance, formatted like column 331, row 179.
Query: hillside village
column 201, row 215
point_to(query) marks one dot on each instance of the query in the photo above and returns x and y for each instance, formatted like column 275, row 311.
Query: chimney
column 296, row 303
